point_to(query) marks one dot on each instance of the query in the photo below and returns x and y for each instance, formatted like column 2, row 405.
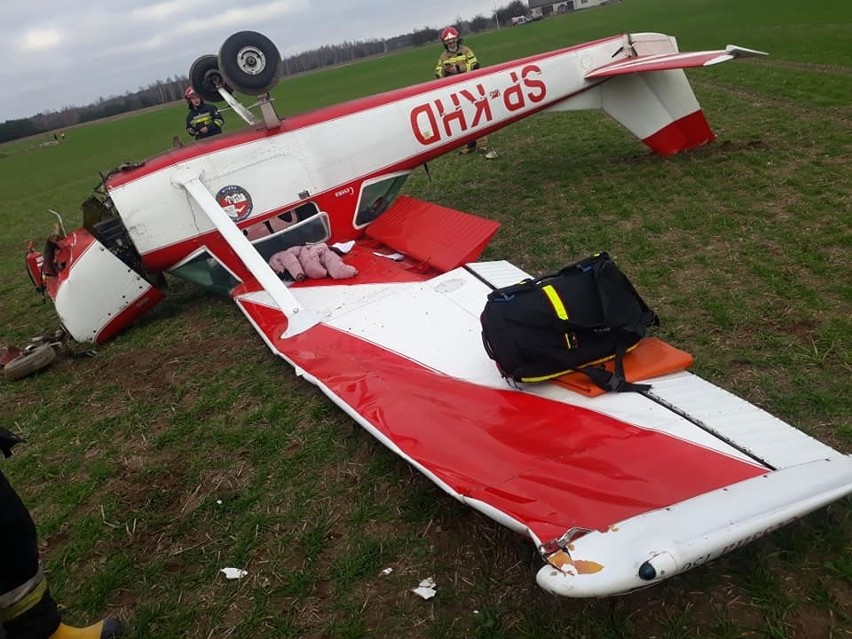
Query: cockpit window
column 377, row 197
column 310, row 230
column 305, row 224
column 207, row 272
column 281, row 221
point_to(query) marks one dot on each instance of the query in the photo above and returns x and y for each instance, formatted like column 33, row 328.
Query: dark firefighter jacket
column 205, row 115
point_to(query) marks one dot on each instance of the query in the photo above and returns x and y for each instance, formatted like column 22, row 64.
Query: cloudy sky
column 58, row 53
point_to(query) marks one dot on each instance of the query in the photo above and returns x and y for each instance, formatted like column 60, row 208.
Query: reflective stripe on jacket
column 463, row 60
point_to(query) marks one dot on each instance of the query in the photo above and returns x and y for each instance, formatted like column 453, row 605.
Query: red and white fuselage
column 327, row 155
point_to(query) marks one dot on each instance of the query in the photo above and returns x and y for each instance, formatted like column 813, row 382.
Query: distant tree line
column 171, row 89
column 161, row 92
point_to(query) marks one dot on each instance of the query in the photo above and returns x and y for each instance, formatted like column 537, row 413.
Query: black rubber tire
column 204, row 75
column 28, row 363
column 250, row 62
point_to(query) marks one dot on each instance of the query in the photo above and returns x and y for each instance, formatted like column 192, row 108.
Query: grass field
column 184, row 446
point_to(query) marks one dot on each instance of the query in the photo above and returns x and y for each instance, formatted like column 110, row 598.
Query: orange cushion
column 651, row 357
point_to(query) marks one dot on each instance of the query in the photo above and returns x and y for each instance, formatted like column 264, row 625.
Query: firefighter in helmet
column 203, row 120
column 454, row 59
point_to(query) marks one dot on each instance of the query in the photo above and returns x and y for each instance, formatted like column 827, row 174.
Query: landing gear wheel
column 205, row 78
column 250, row 62
column 30, row 362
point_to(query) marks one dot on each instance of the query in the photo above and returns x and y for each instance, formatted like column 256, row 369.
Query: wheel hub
column 251, row 60
column 213, row 79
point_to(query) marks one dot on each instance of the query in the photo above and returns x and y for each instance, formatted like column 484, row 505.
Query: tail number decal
column 466, row 109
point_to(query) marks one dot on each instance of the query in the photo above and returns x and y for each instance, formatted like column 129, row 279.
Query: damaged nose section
column 95, row 293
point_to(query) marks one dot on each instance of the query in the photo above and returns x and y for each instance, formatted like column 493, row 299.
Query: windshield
column 377, row 197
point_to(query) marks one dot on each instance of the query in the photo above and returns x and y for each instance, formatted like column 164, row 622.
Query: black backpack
column 573, row 320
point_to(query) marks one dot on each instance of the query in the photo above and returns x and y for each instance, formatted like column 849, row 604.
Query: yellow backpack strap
column 555, row 301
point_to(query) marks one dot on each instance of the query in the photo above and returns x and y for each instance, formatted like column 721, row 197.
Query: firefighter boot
column 37, row 615
column 109, row 628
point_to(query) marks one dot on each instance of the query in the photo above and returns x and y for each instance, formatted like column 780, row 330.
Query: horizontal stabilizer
column 677, row 60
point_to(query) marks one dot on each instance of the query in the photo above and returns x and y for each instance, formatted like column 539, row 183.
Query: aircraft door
column 273, row 178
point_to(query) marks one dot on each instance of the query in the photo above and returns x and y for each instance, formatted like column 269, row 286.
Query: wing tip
column 742, row 52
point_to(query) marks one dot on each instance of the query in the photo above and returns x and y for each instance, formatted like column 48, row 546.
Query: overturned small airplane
column 617, row 490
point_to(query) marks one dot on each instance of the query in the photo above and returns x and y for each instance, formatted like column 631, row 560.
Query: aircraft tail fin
column 658, row 107
column 649, row 94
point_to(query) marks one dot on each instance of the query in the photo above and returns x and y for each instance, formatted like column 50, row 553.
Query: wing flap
column 733, row 419
column 439, row 236
column 676, row 60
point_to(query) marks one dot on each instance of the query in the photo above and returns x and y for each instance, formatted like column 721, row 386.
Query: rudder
column 658, row 107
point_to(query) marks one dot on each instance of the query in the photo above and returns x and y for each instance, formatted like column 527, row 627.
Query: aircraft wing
column 676, row 60
column 602, row 485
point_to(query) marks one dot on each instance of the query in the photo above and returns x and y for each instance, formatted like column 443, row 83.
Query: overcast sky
column 58, row 53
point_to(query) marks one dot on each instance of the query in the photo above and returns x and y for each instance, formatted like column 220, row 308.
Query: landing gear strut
column 248, row 62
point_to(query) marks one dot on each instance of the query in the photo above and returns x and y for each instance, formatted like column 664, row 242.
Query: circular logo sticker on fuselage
column 236, row 201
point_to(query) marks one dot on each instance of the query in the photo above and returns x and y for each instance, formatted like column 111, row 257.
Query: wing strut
column 236, row 105
column 267, row 109
column 299, row 319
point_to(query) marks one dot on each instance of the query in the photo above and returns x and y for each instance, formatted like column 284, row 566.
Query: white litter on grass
column 386, row 571
column 344, row 247
column 219, row 501
column 426, row 589
column 234, row 573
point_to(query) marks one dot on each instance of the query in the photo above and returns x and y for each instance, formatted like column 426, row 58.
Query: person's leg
column 470, row 147
column 26, row 607
column 483, row 148
column 27, row 610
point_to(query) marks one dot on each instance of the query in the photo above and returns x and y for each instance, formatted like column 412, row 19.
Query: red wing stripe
column 548, row 465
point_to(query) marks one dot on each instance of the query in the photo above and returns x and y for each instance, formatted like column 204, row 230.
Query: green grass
column 184, row 446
